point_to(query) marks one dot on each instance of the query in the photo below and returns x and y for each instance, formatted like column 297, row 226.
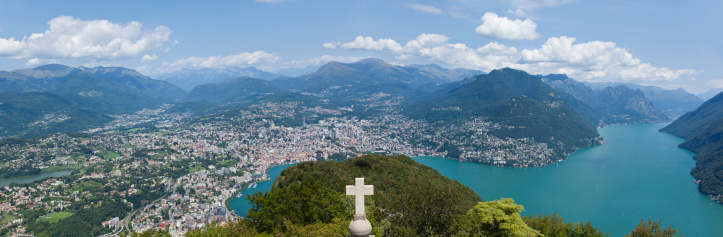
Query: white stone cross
column 359, row 190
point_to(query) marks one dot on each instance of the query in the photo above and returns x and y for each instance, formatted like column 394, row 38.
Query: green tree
column 652, row 229
column 239, row 228
column 553, row 226
column 494, row 218
column 302, row 203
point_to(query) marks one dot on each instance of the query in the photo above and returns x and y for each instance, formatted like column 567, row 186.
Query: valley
column 178, row 164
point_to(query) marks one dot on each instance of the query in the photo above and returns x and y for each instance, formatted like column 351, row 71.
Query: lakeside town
column 174, row 171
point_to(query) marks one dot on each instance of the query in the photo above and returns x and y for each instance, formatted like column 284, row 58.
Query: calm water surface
column 638, row 173
column 240, row 205
column 31, row 178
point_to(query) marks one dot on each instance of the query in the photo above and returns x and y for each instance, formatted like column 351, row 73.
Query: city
column 179, row 173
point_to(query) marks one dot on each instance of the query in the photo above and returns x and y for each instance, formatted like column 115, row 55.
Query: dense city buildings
column 177, row 172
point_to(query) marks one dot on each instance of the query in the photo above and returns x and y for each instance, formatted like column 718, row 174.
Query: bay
column 31, row 178
column 639, row 173
column 240, row 205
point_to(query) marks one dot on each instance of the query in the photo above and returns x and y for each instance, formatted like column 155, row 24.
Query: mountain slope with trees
column 187, row 79
column 703, row 131
column 58, row 98
column 522, row 102
column 233, row 90
column 37, row 113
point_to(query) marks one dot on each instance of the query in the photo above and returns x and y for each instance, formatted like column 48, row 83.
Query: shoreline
column 227, row 202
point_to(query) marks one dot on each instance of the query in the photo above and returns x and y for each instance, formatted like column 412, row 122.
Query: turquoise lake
column 638, row 173
column 240, row 205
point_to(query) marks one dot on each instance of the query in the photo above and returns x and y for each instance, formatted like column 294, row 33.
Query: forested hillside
column 703, row 131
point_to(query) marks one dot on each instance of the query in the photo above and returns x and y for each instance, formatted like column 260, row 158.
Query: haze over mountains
column 612, row 104
column 57, row 98
column 104, row 91
column 187, row 79
column 553, row 109
column 673, row 103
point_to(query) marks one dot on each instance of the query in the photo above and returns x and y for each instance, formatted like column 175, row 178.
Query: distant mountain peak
column 333, row 66
column 52, row 67
column 372, row 61
column 556, row 77
column 46, row 71
column 507, row 71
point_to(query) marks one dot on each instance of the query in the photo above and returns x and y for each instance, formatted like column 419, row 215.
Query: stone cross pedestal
column 359, row 226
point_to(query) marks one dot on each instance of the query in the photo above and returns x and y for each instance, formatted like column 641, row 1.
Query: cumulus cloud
column 591, row 53
column 534, row 4
column 425, row 8
column 587, row 61
column 496, row 27
column 256, row 57
column 242, row 59
column 69, row 37
column 331, row 45
column 149, row 58
column 37, row 62
column 270, row 62
column 420, row 45
column 596, row 59
column 368, row 43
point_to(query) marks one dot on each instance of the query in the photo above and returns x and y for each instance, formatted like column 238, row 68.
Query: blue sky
column 673, row 44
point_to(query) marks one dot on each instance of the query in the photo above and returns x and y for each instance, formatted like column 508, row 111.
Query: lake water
column 240, row 205
column 31, row 178
column 638, row 173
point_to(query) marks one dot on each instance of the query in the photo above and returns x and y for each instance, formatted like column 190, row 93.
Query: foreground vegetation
column 409, row 199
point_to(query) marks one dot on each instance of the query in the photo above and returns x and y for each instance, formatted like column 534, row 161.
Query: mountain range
column 505, row 96
column 336, row 77
column 612, row 104
column 703, row 131
column 50, row 78
column 673, row 103
column 187, row 79
column 338, row 81
column 523, row 102
column 710, row 93
column 57, row 98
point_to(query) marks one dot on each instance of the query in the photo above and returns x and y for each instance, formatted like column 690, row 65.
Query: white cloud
column 425, row 8
column 149, row 58
column 496, row 27
column 331, row 45
column 369, row 43
column 591, row 53
column 715, row 83
column 588, row 61
column 242, row 60
column 534, row 4
column 269, row 62
column 420, row 45
column 495, row 48
column 37, row 62
column 68, row 37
